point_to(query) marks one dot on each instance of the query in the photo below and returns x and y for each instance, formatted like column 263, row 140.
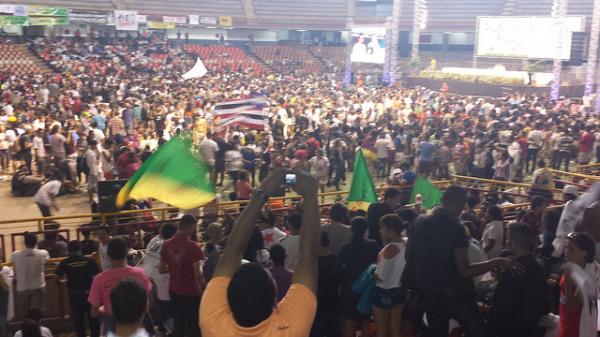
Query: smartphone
column 290, row 179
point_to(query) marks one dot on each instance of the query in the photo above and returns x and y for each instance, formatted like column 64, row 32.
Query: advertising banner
column 126, row 20
column 194, row 19
column 225, row 21
column 48, row 11
column 160, row 25
column 182, row 20
column 48, row 21
column 9, row 20
column 209, row 20
column 142, row 18
column 99, row 19
column 18, row 10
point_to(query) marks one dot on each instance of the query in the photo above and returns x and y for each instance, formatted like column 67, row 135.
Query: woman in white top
column 389, row 295
column 492, row 239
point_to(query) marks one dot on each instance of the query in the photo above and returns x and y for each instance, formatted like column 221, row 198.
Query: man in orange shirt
column 241, row 300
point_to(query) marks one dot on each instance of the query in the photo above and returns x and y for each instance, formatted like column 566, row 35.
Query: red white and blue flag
column 248, row 113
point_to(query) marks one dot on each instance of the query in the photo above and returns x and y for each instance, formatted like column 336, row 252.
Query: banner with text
column 48, row 21
column 126, row 20
column 142, row 19
column 160, row 25
column 99, row 19
column 48, row 11
column 182, row 20
column 209, row 20
column 19, row 10
column 10, row 20
column 225, row 21
column 194, row 19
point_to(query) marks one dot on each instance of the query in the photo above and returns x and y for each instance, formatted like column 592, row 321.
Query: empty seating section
column 538, row 7
column 15, row 60
column 301, row 13
column 289, row 58
column 222, row 58
column 232, row 8
column 460, row 14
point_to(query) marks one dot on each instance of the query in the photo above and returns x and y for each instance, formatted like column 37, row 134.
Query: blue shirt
column 426, row 151
column 100, row 120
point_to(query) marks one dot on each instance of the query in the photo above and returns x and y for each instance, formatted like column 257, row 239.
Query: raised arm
column 307, row 268
column 242, row 230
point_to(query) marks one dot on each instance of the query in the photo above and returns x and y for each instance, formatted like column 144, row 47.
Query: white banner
column 142, row 19
column 194, row 19
column 175, row 19
column 126, row 20
column 17, row 10
column 208, row 20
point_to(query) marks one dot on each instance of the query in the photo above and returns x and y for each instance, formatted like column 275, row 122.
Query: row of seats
column 185, row 7
column 13, row 59
column 220, row 58
column 288, row 58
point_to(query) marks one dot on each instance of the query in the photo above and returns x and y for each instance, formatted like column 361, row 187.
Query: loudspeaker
column 107, row 194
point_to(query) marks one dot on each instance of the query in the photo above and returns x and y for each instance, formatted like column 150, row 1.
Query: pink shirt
column 104, row 282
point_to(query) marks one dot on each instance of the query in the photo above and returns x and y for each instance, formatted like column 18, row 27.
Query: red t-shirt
column 244, row 190
column 104, row 282
column 586, row 143
column 180, row 253
column 569, row 319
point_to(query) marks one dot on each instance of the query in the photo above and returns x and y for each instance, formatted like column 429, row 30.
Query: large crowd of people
column 110, row 103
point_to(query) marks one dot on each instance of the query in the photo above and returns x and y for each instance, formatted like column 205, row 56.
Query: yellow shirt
column 293, row 316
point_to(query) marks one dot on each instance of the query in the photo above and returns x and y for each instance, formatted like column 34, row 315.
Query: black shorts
column 387, row 298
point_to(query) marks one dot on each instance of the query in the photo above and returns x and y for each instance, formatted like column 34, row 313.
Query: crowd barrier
column 57, row 306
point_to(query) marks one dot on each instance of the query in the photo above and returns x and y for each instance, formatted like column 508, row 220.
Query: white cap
column 418, row 199
column 570, row 189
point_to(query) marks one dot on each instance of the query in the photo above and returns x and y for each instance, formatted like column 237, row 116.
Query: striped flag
column 247, row 113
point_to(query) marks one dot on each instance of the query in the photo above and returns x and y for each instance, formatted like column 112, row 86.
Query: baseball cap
column 570, row 189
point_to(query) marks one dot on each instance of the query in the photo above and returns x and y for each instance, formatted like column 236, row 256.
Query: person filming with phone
column 241, row 298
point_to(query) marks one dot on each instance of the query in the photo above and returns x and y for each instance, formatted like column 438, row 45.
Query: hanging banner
column 182, row 20
column 18, row 10
column 160, row 25
column 225, row 21
column 99, row 19
column 208, row 20
column 142, row 18
column 48, row 11
column 10, row 20
column 194, row 19
column 126, row 20
column 48, row 21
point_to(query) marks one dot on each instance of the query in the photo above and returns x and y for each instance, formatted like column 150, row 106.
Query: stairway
column 257, row 59
column 21, row 59
column 318, row 58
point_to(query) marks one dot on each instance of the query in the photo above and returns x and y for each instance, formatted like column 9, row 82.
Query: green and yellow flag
column 431, row 194
column 362, row 190
column 174, row 175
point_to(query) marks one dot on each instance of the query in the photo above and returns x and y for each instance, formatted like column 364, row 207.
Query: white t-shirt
column 46, row 192
column 45, row 332
column 383, row 145
column 209, row 147
column 319, row 168
column 151, row 263
column 291, row 244
column 493, row 231
column 272, row 236
column 39, row 147
column 535, row 138
column 107, row 165
column 29, row 268
column 233, row 160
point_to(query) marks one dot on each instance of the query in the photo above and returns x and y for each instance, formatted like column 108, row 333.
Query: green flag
column 431, row 194
column 173, row 174
column 362, row 190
